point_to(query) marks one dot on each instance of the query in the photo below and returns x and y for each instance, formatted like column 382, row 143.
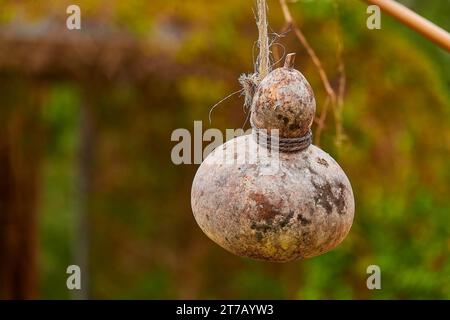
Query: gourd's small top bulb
column 284, row 100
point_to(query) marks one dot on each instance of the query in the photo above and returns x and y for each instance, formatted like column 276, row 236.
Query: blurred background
column 86, row 176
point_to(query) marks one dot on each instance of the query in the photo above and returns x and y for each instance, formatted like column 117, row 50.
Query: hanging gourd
column 301, row 209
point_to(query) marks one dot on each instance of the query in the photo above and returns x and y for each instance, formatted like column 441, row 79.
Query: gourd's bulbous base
column 297, row 208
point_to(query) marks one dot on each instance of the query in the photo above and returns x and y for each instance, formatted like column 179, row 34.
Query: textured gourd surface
column 300, row 208
column 284, row 100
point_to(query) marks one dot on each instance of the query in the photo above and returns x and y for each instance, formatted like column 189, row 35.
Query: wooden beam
column 414, row 21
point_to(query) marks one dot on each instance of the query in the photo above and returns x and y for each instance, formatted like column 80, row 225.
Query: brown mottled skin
column 294, row 206
column 284, row 100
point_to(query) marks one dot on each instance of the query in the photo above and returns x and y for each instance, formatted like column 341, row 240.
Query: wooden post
column 83, row 187
column 20, row 167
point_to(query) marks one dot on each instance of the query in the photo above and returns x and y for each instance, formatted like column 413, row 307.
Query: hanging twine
column 250, row 82
column 264, row 51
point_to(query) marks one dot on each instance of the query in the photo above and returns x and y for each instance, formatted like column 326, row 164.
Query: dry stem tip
column 290, row 60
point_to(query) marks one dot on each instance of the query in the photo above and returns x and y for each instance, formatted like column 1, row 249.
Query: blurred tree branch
column 335, row 100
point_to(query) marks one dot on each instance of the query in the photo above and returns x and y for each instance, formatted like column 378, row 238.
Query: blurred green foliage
column 144, row 240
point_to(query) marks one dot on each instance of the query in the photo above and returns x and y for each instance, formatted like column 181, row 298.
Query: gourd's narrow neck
column 275, row 142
